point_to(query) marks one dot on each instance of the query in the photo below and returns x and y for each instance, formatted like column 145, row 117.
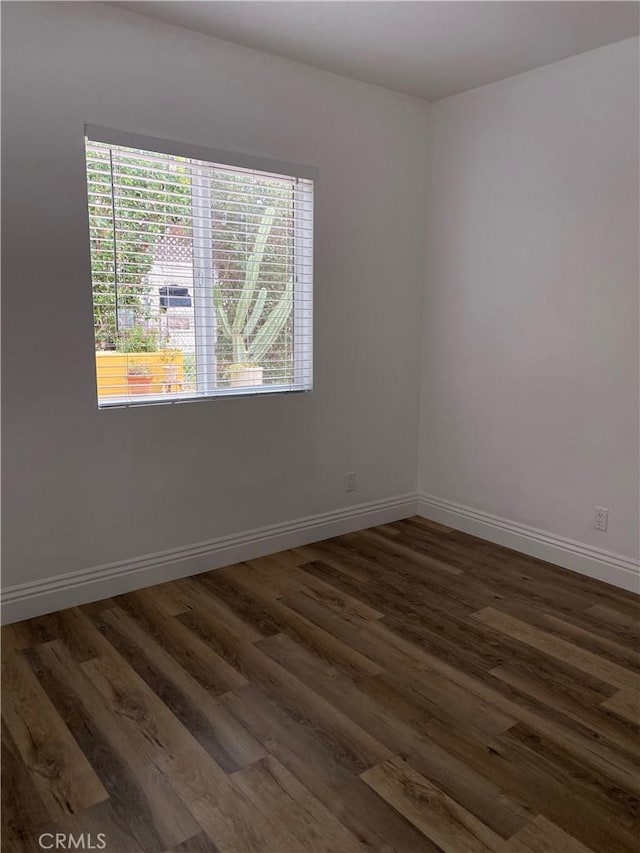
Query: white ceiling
column 428, row 49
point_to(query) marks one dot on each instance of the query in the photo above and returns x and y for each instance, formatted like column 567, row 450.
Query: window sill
column 127, row 401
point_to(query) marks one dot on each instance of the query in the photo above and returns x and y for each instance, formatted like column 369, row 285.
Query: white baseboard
column 607, row 566
column 26, row 600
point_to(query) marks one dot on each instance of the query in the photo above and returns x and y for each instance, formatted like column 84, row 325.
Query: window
column 201, row 272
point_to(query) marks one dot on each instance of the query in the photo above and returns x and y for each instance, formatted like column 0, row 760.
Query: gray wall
column 530, row 334
column 84, row 487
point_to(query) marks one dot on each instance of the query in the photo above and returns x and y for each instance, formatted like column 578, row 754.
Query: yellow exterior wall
column 112, row 368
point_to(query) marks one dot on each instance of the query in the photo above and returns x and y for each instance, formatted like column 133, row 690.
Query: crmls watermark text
column 69, row 841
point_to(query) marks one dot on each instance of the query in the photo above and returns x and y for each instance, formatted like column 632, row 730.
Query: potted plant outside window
column 139, row 377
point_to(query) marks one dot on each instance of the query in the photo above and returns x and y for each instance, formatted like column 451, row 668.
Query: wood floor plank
column 610, row 615
column 303, row 751
column 626, row 704
column 72, row 628
column 407, row 689
column 303, row 702
column 228, row 742
column 510, row 574
column 208, row 668
column 276, row 575
column 395, row 585
column 388, row 529
column 200, row 843
column 200, row 597
column 576, row 628
column 545, row 787
column 427, row 523
column 397, row 549
column 24, row 635
column 272, row 789
column 599, row 754
column 549, row 644
column 270, row 583
column 24, row 815
column 581, row 591
column 361, row 705
column 338, row 557
column 400, row 597
column 436, row 694
column 65, row 780
column 307, row 702
column 168, row 598
column 542, row 836
column 242, row 602
column 315, row 638
column 592, row 641
column 227, row 815
column 147, row 721
column 594, row 717
column 139, row 798
column 565, row 765
column 434, row 813
column 170, row 817
column 327, row 594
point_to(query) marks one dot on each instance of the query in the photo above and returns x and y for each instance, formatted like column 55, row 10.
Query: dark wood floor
column 407, row 688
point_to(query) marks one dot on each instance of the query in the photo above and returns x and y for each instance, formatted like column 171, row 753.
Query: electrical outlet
column 350, row 481
column 601, row 518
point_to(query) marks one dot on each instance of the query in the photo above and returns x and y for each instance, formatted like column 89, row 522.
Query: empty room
column 321, row 427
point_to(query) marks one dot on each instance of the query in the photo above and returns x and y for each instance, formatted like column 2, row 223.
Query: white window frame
column 205, row 325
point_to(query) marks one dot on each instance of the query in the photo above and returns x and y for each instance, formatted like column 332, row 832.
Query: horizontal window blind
column 202, row 277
